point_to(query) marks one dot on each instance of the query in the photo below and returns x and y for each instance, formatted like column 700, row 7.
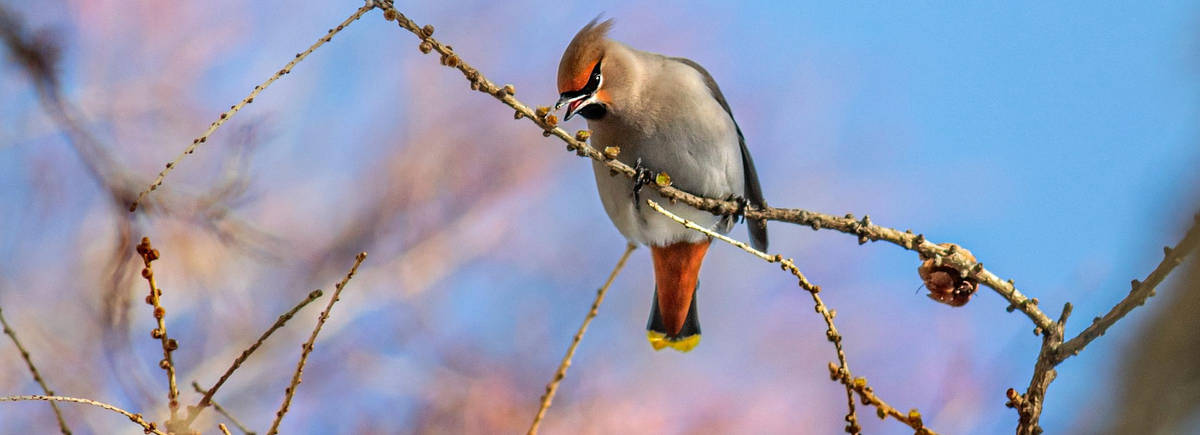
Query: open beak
column 574, row 103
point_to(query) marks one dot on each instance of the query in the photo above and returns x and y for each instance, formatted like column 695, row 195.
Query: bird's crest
column 582, row 55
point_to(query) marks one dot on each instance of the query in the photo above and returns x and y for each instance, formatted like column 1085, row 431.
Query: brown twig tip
column 948, row 284
column 37, row 376
column 149, row 255
column 307, row 347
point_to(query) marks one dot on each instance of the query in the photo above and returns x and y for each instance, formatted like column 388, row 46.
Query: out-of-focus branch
column 233, row 110
column 561, row 373
column 863, row 229
column 148, row 427
column 308, row 346
column 62, row 423
column 221, row 410
column 841, row 372
column 237, row 362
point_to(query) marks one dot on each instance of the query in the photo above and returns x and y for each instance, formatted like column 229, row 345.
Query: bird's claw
column 739, row 215
column 641, row 178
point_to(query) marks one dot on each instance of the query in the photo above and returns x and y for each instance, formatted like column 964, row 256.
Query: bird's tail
column 688, row 336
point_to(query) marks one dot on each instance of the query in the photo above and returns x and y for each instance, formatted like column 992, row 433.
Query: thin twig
column 1141, row 291
column 1054, row 351
column 863, row 229
column 224, row 430
column 883, row 409
column 552, row 387
column 249, row 99
column 221, row 410
column 149, row 254
column 149, row 427
column 308, row 346
column 840, row 372
column 62, row 423
column 237, row 362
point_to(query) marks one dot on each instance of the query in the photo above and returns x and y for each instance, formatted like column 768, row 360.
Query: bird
column 663, row 114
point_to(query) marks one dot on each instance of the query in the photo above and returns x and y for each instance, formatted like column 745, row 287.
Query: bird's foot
column 641, row 178
column 739, row 215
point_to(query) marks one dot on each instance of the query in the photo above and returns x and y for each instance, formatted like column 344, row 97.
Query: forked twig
column 1054, row 350
column 1141, row 290
column 237, row 362
column 148, row 427
column 308, row 346
column 221, row 410
column 62, row 423
column 552, row 387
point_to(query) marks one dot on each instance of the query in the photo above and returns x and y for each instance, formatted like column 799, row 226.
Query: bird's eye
column 596, row 76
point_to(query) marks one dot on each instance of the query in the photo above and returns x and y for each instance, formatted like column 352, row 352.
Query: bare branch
column 207, row 399
column 1054, row 351
column 149, row 427
column 221, row 410
column 149, row 254
column 841, row 372
column 308, row 346
column 249, row 99
column 1141, row 291
column 864, row 229
column 561, row 373
column 62, row 423
column 883, row 409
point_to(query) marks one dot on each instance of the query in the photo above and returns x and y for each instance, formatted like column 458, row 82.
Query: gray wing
column 753, row 193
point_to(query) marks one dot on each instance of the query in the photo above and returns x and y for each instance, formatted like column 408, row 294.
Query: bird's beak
column 574, row 103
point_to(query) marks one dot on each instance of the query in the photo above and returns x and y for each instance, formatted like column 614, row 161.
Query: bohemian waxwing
column 666, row 114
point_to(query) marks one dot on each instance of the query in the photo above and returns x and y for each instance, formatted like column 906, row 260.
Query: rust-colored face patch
column 576, row 79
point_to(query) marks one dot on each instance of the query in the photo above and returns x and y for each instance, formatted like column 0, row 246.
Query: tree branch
column 308, row 346
column 62, row 423
column 221, row 410
column 237, row 362
column 233, row 110
column 840, row 372
column 863, row 229
column 148, row 427
column 149, row 255
column 1054, row 351
column 1141, row 291
column 561, row 373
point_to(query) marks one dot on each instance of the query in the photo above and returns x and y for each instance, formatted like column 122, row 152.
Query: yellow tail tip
column 660, row 341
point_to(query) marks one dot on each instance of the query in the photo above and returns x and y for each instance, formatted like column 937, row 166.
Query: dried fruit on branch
column 947, row 284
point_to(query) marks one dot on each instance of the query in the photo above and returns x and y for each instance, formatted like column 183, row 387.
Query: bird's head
column 582, row 70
